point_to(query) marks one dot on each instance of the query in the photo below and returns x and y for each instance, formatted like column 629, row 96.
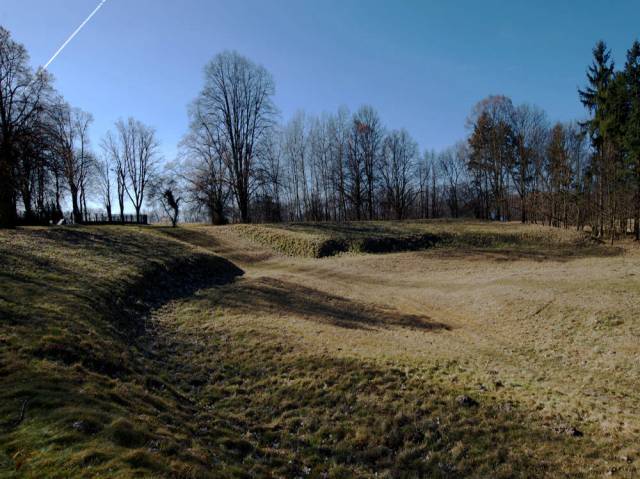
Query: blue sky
column 421, row 64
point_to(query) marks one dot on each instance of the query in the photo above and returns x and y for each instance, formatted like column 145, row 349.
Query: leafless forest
column 238, row 162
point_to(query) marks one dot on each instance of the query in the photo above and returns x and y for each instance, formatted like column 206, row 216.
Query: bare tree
column 319, row 148
column 339, row 133
column 105, row 176
column 203, row 167
column 492, row 150
column 115, row 153
column 133, row 150
column 85, row 158
column 295, row 150
column 236, row 103
column 369, row 135
column 22, row 96
column 424, row 174
column 271, row 177
column 141, row 156
column 33, row 162
column 71, row 143
column 453, row 164
column 530, row 127
column 165, row 191
column 398, row 170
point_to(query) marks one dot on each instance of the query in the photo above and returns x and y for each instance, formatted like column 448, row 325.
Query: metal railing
column 102, row 219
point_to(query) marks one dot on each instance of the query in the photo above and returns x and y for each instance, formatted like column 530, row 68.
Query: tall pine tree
column 594, row 98
column 632, row 127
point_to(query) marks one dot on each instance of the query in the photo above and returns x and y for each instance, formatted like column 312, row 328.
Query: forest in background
column 238, row 163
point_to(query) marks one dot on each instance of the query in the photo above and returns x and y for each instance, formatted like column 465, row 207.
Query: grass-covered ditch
column 82, row 393
column 137, row 352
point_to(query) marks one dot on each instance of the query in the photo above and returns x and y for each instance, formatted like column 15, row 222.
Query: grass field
column 505, row 351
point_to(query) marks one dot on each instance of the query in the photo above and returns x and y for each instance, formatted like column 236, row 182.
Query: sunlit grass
column 139, row 353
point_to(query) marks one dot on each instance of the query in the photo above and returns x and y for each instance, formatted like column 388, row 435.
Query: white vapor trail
column 77, row 30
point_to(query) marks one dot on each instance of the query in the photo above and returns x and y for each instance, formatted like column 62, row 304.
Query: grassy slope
column 202, row 390
column 75, row 356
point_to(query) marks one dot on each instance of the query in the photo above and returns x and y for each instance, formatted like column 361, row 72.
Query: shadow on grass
column 71, row 308
column 31, row 284
column 320, row 416
column 278, row 412
column 269, row 295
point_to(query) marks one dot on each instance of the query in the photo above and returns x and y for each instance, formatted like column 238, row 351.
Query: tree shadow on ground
column 49, row 285
column 274, row 296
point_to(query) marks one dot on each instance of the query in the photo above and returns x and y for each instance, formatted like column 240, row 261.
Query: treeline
column 238, row 163
column 47, row 163
column 578, row 174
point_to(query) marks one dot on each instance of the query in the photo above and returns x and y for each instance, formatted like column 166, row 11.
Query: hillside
column 84, row 391
column 197, row 352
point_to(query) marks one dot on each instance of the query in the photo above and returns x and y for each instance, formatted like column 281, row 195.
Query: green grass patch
column 76, row 354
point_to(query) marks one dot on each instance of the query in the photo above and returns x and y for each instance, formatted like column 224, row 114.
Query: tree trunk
column 636, row 220
column 216, row 212
column 8, row 216
column 77, row 215
column 243, row 204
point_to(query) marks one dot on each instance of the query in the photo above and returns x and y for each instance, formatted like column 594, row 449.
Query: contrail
column 74, row 34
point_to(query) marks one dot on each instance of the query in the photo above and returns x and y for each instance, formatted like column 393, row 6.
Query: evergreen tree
column 594, row 98
column 632, row 127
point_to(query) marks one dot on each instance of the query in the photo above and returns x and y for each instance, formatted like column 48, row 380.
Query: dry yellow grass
column 553, row 330
column 336, row 367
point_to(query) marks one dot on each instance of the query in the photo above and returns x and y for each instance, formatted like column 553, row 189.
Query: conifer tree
column 632, row 127
column 594, row 98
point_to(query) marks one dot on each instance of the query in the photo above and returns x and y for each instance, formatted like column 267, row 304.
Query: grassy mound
column 318, row 240
column 76, row 394
column 292, row 243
